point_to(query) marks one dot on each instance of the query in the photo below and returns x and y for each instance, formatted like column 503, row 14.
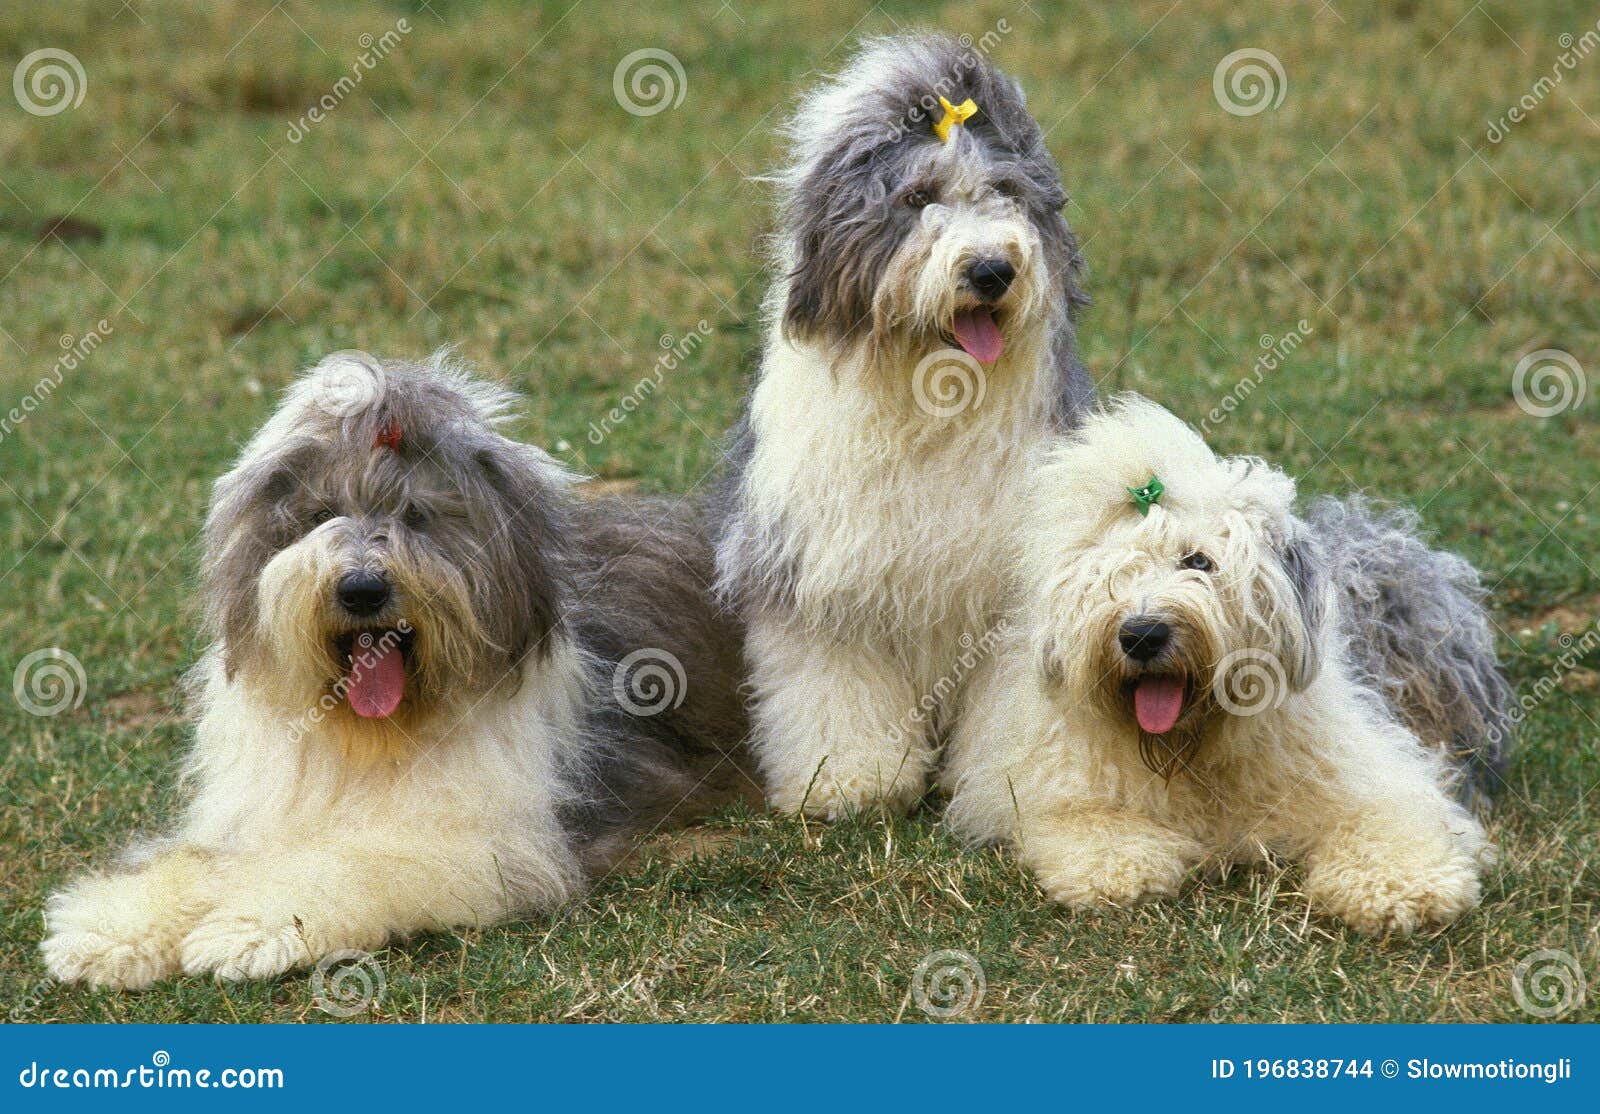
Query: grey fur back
column 641, row 581
column 1417, row 631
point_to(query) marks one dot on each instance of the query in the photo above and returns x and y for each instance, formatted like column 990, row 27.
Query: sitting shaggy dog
column 1195, row 673
column 439, row 692
column 919, row 351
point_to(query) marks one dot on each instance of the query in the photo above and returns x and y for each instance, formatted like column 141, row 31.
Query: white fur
column 1046, row 759
column 289, row 850
column 898, row 521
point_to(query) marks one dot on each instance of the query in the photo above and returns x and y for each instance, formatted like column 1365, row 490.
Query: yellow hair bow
column 954, row 114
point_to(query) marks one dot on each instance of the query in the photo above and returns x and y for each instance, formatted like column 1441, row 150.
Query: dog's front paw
column 1400, row 893
column 110, row 931
column 847, row 785
column 1085, row 873
column 231, row 946
column 101, row 959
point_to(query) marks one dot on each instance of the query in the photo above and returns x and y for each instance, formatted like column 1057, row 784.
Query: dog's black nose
column 363, row 593
column 991, row 278
column 1143, row 639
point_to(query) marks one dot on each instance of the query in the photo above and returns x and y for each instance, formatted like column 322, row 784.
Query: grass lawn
column 482, row 186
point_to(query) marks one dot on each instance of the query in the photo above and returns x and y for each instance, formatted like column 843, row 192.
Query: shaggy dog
column 439, row 691
column 919, row 350
column 1196, row 673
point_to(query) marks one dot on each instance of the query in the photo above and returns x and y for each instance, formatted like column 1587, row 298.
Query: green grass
column 482, row 187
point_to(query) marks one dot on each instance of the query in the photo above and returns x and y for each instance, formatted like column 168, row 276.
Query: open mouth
column 1159, row 700
column 375, row 669
column 977, row 331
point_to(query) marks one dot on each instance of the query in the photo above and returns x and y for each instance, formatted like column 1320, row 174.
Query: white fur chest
column 895, row 525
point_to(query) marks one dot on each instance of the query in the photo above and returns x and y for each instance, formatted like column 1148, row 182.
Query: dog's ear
column 1303, row 619
column 250, row 519
column 840, row 251
column 519, row 599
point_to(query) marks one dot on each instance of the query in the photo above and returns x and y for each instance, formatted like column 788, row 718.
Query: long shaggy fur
column 1292, row 735
column 1418, row 632
column 524, row 754
column 864, row 527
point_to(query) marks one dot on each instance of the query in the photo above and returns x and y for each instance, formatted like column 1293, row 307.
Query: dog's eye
column 916, row 199
column 415, row 517
column 1197, row 561
column 1007, row 188
column 321, row 515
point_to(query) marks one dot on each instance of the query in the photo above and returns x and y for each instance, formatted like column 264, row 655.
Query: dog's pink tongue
column 1158, row 702
column 978, row 335
column 377, row 679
